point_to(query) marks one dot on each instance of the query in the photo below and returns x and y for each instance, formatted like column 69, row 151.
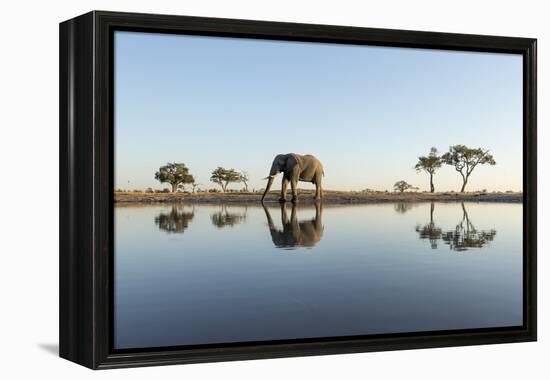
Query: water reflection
column 369, row 274
column 224, row 218
column 430, row 231
column 296, row 233
column 464, row 236
column 176, row 221
column 402, row 207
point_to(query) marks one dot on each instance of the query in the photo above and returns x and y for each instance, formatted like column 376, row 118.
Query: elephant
column 296, row 167
column 296, row 234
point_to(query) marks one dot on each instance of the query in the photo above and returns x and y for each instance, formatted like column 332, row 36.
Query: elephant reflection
column 463, row 237
column 224, row 218
column 296, row 233
column 176, row 221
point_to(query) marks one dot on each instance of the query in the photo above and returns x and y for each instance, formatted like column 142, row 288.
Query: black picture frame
column 86, row 187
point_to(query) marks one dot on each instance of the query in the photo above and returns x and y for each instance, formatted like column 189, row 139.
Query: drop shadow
column 52, row 348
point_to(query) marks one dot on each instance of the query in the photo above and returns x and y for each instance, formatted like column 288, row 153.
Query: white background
column 29, row 187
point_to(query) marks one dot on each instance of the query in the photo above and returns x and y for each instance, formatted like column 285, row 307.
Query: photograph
column 275, row 190
column 272, row 190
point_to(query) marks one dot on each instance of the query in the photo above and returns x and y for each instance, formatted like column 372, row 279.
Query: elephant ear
column 293, row 160
column 281, row 161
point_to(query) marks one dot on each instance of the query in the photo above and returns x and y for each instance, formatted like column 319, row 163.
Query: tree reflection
column 296, row 233
column 176, row 221
column 224, row 218
column 464, row 236
column 402, row 207
column 430, row 231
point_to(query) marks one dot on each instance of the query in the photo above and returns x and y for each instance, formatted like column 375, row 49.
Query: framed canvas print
column 235, row 189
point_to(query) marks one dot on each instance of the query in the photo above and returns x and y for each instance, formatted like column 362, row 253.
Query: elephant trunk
column 275, row 169
column 269, row 183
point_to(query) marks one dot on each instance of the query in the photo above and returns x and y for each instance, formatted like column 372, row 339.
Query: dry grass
column 306, row 196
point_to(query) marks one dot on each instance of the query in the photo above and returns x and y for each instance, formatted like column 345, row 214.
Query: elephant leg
column 294, row 177
column 318, row 189
column 284, row 185
column 294, row 186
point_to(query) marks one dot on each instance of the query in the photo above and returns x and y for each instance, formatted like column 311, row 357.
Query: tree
column 194, row 186
column 175, row 174
column 224, row 177
column 466, row 159
column 401, row 186
column 243, row 177
column 429, row 164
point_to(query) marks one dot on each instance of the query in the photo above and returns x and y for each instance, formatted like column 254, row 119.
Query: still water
column 200, row 274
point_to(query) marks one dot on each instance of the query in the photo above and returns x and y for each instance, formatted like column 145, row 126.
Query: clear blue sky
column 366, row 112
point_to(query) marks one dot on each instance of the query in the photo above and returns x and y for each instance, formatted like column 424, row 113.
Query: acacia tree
column 194, row 186
column 176, row 174
column 401, row 186
column 466, row 159
column 224, row 177
column 429, row 164
column 243, row 177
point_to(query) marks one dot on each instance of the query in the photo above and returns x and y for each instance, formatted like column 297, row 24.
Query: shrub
column 402, row 186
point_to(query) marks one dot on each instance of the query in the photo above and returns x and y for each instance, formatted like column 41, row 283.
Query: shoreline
column 330, row 197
